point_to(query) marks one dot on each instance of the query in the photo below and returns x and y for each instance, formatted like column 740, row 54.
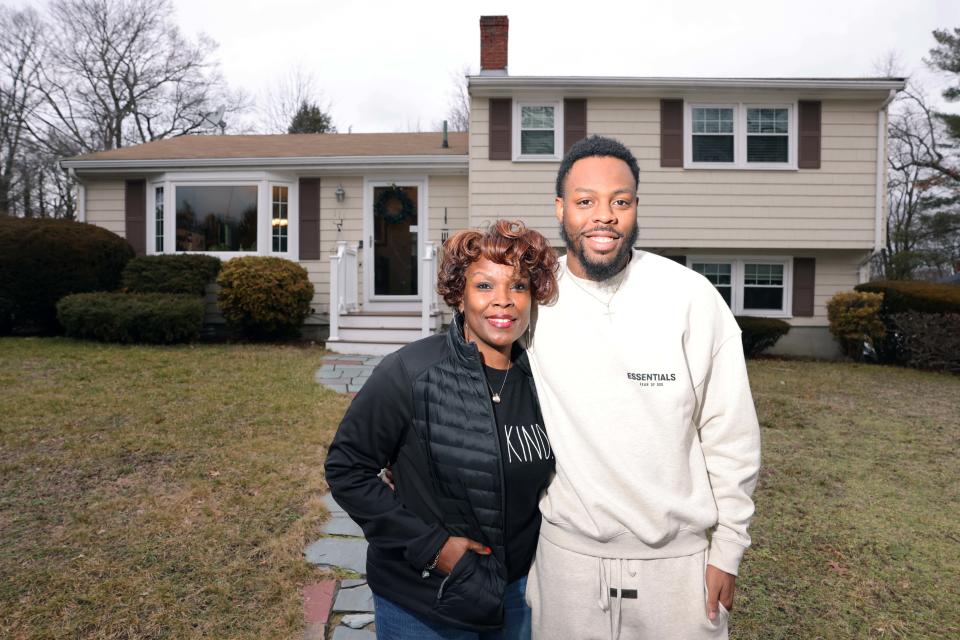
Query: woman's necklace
column 605, row 303
column 496, row 396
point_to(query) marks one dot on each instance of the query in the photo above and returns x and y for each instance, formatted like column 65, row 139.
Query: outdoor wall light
column 340, row 193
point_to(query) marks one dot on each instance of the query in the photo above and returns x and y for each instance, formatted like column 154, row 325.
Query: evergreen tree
column 311, row 119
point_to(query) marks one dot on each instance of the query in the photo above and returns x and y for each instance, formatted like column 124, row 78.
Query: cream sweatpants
column 577, row 597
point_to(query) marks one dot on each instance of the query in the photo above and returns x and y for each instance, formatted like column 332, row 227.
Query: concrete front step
column 364, row 348
column 382, row 320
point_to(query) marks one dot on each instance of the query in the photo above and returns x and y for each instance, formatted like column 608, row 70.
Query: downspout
column 881, row 177
column 81, row 196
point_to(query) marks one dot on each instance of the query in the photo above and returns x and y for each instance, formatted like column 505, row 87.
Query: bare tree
column 458, row 106
column 121, row 72
column 285, row 98
column 20, row 49
column 921, row 199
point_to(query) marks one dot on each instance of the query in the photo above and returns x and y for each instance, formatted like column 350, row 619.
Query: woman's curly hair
column 507, row 242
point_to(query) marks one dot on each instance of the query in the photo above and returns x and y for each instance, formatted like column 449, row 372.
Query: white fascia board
column 338, row 164
column 493, row 85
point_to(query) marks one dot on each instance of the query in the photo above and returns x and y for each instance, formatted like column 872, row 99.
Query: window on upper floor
column 538, row 132
column 749, row 286
column 740, row 136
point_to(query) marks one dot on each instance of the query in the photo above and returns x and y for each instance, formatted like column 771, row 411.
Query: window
column 713, row 134
column 719, row 274
column 279, row 221
column 740, row 136
column 158, row 212
column 750, row 286
column 763, row 286
column 216, row 218
column 768, row 135
column 537, row 132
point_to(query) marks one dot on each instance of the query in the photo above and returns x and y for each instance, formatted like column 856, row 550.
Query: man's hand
column 720, row 586
column 454, row 548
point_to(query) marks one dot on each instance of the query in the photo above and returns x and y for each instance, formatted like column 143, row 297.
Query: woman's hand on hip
column 454, row 548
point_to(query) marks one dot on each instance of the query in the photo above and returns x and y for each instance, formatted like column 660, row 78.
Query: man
column 642, row 381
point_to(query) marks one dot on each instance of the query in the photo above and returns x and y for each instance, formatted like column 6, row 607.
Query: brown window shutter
column 679, row 259
column 501, row 134
column 574, row 122
column 671, row 133
column 809, row 142
column 309, row 218
column 135, row 215
column 803, row 281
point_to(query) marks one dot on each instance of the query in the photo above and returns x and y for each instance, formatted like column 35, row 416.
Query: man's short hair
column 596, row 146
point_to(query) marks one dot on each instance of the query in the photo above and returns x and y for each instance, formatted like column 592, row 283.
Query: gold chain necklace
column 605, row 303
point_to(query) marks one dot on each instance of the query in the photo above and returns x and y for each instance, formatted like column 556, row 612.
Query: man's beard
column 600, row 271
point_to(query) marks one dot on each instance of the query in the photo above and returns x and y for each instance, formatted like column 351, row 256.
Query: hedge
column 156, row 318
column 185, row 273
column 264, row 297
column 930, row 340
column 43, row 259
column 759, row 334
column 900, row 296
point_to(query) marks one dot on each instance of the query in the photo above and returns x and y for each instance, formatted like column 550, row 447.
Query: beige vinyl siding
column 450, row 193
column 831, row 207
column 105, row 204
column 835, row 271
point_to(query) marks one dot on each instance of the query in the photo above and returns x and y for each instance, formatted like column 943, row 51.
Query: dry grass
column 169, row 492
column 158, row 492
column 857, row 532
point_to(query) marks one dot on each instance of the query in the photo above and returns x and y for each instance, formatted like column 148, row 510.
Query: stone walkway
column 342, row 545
column 346, row 374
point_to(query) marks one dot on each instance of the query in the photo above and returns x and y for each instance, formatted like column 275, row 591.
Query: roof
column 303, row 145
column 633, row 85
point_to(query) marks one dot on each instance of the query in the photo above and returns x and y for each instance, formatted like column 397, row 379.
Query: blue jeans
column 394, row 622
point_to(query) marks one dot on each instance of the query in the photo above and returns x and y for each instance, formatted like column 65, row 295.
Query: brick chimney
column 493, row 45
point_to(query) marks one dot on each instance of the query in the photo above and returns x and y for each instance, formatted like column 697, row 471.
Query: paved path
column 346, row 374
column 342, row 545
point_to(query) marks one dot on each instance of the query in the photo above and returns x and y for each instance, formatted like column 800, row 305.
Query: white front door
column 394, row 231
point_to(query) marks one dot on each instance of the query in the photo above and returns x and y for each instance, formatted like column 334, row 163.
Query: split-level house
column 772, row 188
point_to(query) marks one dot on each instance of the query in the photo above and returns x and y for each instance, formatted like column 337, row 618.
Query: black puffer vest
column 426, row 411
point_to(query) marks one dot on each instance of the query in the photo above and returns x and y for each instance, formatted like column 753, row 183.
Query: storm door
column 392, row 250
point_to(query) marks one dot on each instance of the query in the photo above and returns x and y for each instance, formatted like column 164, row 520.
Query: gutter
column 339, row 163
column 593, row 82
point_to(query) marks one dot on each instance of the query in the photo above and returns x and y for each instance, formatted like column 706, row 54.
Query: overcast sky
column 388, row 66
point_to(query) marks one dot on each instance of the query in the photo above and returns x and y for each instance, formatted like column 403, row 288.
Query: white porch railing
column 343, row 285
column 430, row 301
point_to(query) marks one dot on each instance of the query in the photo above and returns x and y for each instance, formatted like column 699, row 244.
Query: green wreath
column 394, row 205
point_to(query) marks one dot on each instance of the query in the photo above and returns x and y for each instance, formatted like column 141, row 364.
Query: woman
column 456, row 418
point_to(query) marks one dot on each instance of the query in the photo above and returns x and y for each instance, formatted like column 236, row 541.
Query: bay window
column 249, row 214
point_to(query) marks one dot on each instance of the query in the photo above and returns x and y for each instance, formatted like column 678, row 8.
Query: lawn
column 169, row 492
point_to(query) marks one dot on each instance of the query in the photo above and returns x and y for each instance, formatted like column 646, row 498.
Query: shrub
column 855, row 319
column 900, row 296
column 759, row 334
column 186, row 273
column 42, row 260
column 930, row 340
column 264, row 296
column 157, row 318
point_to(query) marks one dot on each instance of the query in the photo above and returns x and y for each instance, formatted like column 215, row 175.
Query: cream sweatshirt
column 644, row 392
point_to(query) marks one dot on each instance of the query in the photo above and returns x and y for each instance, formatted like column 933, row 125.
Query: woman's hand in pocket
column 454, row 548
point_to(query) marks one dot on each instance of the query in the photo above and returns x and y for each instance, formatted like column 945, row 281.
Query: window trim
column 737, row 280
column 264, row 182
column 557, row 154
column 740, row 136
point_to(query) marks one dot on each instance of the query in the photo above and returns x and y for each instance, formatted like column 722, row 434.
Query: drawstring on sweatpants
column 605, row 567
